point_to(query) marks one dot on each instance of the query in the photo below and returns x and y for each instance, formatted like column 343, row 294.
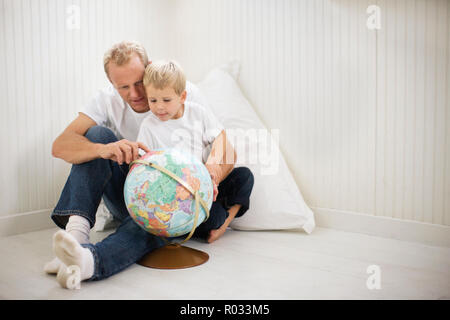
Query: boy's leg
column 233, row 200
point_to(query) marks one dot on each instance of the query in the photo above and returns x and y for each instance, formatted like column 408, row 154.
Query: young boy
column 190, row 127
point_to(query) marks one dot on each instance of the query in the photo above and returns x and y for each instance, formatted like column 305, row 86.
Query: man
column 100, row 143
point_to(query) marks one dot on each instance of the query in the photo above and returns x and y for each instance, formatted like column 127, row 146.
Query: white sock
column 79, row 228
column 52, row 267
column 79, row 260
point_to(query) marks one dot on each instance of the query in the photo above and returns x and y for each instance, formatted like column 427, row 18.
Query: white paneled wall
column 413, row 119
column 49, row 69
column 363, row 114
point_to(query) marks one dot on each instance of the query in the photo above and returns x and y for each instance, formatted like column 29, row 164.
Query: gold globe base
column 174, row 256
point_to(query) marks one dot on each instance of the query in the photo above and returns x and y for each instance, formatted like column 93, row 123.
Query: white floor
column 327, row 264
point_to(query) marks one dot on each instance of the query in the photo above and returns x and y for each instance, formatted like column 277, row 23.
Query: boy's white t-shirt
column 194, row 132
column 108, row 109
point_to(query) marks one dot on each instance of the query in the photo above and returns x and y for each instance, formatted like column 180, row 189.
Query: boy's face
column 165, row 103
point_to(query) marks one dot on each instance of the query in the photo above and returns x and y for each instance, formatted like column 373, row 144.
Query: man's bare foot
column 216, row 234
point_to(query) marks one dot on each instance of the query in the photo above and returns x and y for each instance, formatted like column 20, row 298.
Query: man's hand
column 122, row 151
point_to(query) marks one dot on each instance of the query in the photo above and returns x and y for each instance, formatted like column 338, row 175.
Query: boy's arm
column 221, row 159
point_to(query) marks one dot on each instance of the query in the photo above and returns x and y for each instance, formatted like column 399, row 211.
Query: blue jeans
column 90, row 181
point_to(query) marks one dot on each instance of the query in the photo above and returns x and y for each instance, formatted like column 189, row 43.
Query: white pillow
column 275, row 202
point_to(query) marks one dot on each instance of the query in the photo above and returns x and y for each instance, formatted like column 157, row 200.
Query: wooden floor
column 327, row 264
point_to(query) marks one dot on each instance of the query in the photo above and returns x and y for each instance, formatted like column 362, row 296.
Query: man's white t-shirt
column 194, row 132
column 108, row 109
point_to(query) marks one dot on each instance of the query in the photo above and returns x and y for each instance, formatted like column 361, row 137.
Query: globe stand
column 174, row 256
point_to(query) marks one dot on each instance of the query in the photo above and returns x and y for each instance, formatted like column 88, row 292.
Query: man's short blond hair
column 162, row 74
column 121, row 52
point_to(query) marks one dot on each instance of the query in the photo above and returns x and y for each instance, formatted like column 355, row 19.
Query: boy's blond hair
column 162, row 74
column 121, row 52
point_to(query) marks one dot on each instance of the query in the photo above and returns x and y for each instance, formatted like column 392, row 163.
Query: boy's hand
column 215, row 191
column 214, row 173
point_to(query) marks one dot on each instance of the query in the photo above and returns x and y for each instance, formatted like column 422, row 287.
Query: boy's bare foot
column 216, row 234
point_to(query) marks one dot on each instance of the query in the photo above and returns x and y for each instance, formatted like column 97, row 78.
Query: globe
column 159, row 203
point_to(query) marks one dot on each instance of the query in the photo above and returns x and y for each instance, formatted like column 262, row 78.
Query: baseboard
column 25, row 222
column 406, row 230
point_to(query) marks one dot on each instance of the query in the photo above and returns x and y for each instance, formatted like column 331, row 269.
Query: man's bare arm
column 73, row 147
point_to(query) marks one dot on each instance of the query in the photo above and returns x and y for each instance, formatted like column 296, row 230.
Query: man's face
column 128, row 81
